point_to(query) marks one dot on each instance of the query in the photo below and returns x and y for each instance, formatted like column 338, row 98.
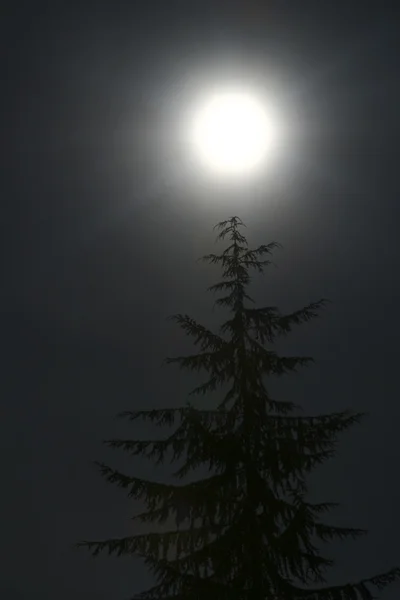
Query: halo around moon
column 232, row 133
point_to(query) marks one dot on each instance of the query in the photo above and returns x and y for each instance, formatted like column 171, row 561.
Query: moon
column 232, row 133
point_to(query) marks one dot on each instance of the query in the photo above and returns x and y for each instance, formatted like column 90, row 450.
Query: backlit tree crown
column 246, row 531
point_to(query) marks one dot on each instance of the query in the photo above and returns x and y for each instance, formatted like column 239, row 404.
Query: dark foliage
column 247, row 530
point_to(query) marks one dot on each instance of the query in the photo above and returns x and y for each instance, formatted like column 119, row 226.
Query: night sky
column 102, row 223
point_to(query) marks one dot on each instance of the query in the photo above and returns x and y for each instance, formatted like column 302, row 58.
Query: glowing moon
column 233, row 132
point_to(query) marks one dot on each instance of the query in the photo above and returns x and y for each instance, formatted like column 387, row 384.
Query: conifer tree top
column 246, row 530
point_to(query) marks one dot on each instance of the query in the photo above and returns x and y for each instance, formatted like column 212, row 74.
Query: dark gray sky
column 101, row 234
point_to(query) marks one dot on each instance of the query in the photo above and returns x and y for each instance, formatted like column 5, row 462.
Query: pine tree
column 248, row 530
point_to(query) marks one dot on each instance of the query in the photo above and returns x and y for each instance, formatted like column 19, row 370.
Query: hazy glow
column 233, row 133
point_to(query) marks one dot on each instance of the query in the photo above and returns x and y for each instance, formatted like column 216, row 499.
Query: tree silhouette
column 247, row 530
